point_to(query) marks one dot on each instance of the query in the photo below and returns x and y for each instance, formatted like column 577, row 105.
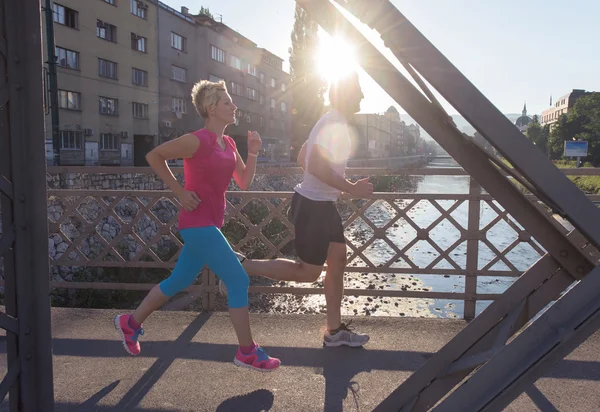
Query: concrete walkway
column 186, row 365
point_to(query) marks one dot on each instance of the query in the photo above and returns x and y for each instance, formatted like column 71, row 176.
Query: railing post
column 205, row 293
column 472, row 248
column 212, row 296
column 208, row 298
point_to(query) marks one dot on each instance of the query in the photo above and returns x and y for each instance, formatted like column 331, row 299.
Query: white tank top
column 331, row 133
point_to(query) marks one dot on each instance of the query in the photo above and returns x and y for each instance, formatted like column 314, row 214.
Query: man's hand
column 254, row 142
column 189, row 200
column 362, row 188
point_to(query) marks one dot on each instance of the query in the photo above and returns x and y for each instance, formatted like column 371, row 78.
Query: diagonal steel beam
column 534, row 290
column 470, row 156
column 411, row 46
column 557, row 332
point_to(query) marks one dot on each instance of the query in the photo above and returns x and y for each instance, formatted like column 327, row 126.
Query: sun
column 335, row 58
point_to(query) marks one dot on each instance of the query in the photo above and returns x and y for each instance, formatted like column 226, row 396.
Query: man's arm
column 302, row 156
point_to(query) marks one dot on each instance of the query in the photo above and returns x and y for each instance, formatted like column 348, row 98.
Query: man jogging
column 318, row 225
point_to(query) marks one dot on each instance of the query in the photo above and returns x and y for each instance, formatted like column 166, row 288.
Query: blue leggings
column 206, row 246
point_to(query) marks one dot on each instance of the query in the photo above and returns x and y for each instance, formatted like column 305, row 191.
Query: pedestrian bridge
column 417, row 250
column 186, row 365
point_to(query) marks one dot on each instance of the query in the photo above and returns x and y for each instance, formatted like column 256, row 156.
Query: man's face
column 355, row 96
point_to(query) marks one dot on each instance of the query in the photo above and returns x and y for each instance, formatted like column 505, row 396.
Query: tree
column 558, row 135
column 307, row 86
column 581, row 123
column 585, row 124
column 534, row 130
column 205, row 11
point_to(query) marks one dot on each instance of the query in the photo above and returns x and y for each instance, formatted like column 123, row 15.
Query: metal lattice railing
column 115, row 228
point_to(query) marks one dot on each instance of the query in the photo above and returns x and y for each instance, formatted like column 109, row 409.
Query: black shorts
column 317, row 223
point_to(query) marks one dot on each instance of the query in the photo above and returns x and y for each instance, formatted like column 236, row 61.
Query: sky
column 513, row 51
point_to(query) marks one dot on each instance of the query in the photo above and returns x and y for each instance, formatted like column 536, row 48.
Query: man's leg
column 338, row 333
column 283, row 269
column 311, row 241
column 334, row 284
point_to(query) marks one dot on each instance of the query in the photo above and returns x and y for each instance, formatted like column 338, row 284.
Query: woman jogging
column 211, row 159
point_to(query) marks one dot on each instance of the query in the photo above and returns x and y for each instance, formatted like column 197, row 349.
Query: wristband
column 253, row 154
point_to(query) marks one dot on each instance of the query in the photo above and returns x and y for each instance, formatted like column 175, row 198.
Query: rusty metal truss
column 23, row 232
column 482, row 368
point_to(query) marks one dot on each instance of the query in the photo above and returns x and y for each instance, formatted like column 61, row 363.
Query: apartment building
column 560, row 107
column 107, row 68
column 195, row 47
column 385, row 135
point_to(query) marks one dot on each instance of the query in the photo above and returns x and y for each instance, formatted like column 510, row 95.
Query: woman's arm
column 182, row 147
column 244, row 173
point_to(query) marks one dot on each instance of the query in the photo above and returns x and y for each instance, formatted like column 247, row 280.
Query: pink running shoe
column 257, row 360
column 129, row 336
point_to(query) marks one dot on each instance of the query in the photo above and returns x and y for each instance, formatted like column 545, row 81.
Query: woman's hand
column 254, row 142
column 189, row 200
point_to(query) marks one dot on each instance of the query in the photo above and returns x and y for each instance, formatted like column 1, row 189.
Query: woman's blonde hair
column 205, row 94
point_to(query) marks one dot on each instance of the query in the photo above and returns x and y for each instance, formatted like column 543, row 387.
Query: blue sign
column 576, row 148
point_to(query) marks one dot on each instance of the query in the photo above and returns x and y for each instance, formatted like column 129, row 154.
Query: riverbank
column 587, row 184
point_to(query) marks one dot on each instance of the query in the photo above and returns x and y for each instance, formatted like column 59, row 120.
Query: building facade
column 560, row 107
column 385, row 135
column 196, row 47
column 107, row 76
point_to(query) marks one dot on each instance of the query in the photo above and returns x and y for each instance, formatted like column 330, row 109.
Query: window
column 106, row 31
column 109, row 106
column 111, row 2
column 273, row 103
column 69, row 100
column 140, row 110
column 70, row 140
column 139, row 8
column 284, row 107
column 179, row 105
column 262, row 121
column 262, row 78
column 139, row 77
column 236, row 89
column 273, row 83
column 178, row 73
column 236, row 62
column 248, row 118
column 65, row 16
column 178, row 42
column 214, row 78
column 109, row 141
column 217, row 54
column 261, row 99
column 251, row 94
column 67, row 58
column 138, row 43
column 106, row 68
column 282, row 87
column 252, row 70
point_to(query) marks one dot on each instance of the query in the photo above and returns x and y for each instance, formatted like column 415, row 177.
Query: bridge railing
column 400, row 233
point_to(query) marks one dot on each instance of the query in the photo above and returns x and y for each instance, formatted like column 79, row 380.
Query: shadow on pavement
column 256, row 401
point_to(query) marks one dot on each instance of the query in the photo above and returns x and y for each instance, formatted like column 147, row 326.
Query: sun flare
column 335, row 58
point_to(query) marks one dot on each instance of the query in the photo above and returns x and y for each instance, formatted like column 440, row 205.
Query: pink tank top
column 208, row 173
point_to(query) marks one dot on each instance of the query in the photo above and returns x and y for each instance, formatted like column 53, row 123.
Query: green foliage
column 307, row 86
column 581, row 123
column 205, row 11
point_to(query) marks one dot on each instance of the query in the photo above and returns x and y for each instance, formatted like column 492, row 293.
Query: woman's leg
column 186, row 270
column 226, row 266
